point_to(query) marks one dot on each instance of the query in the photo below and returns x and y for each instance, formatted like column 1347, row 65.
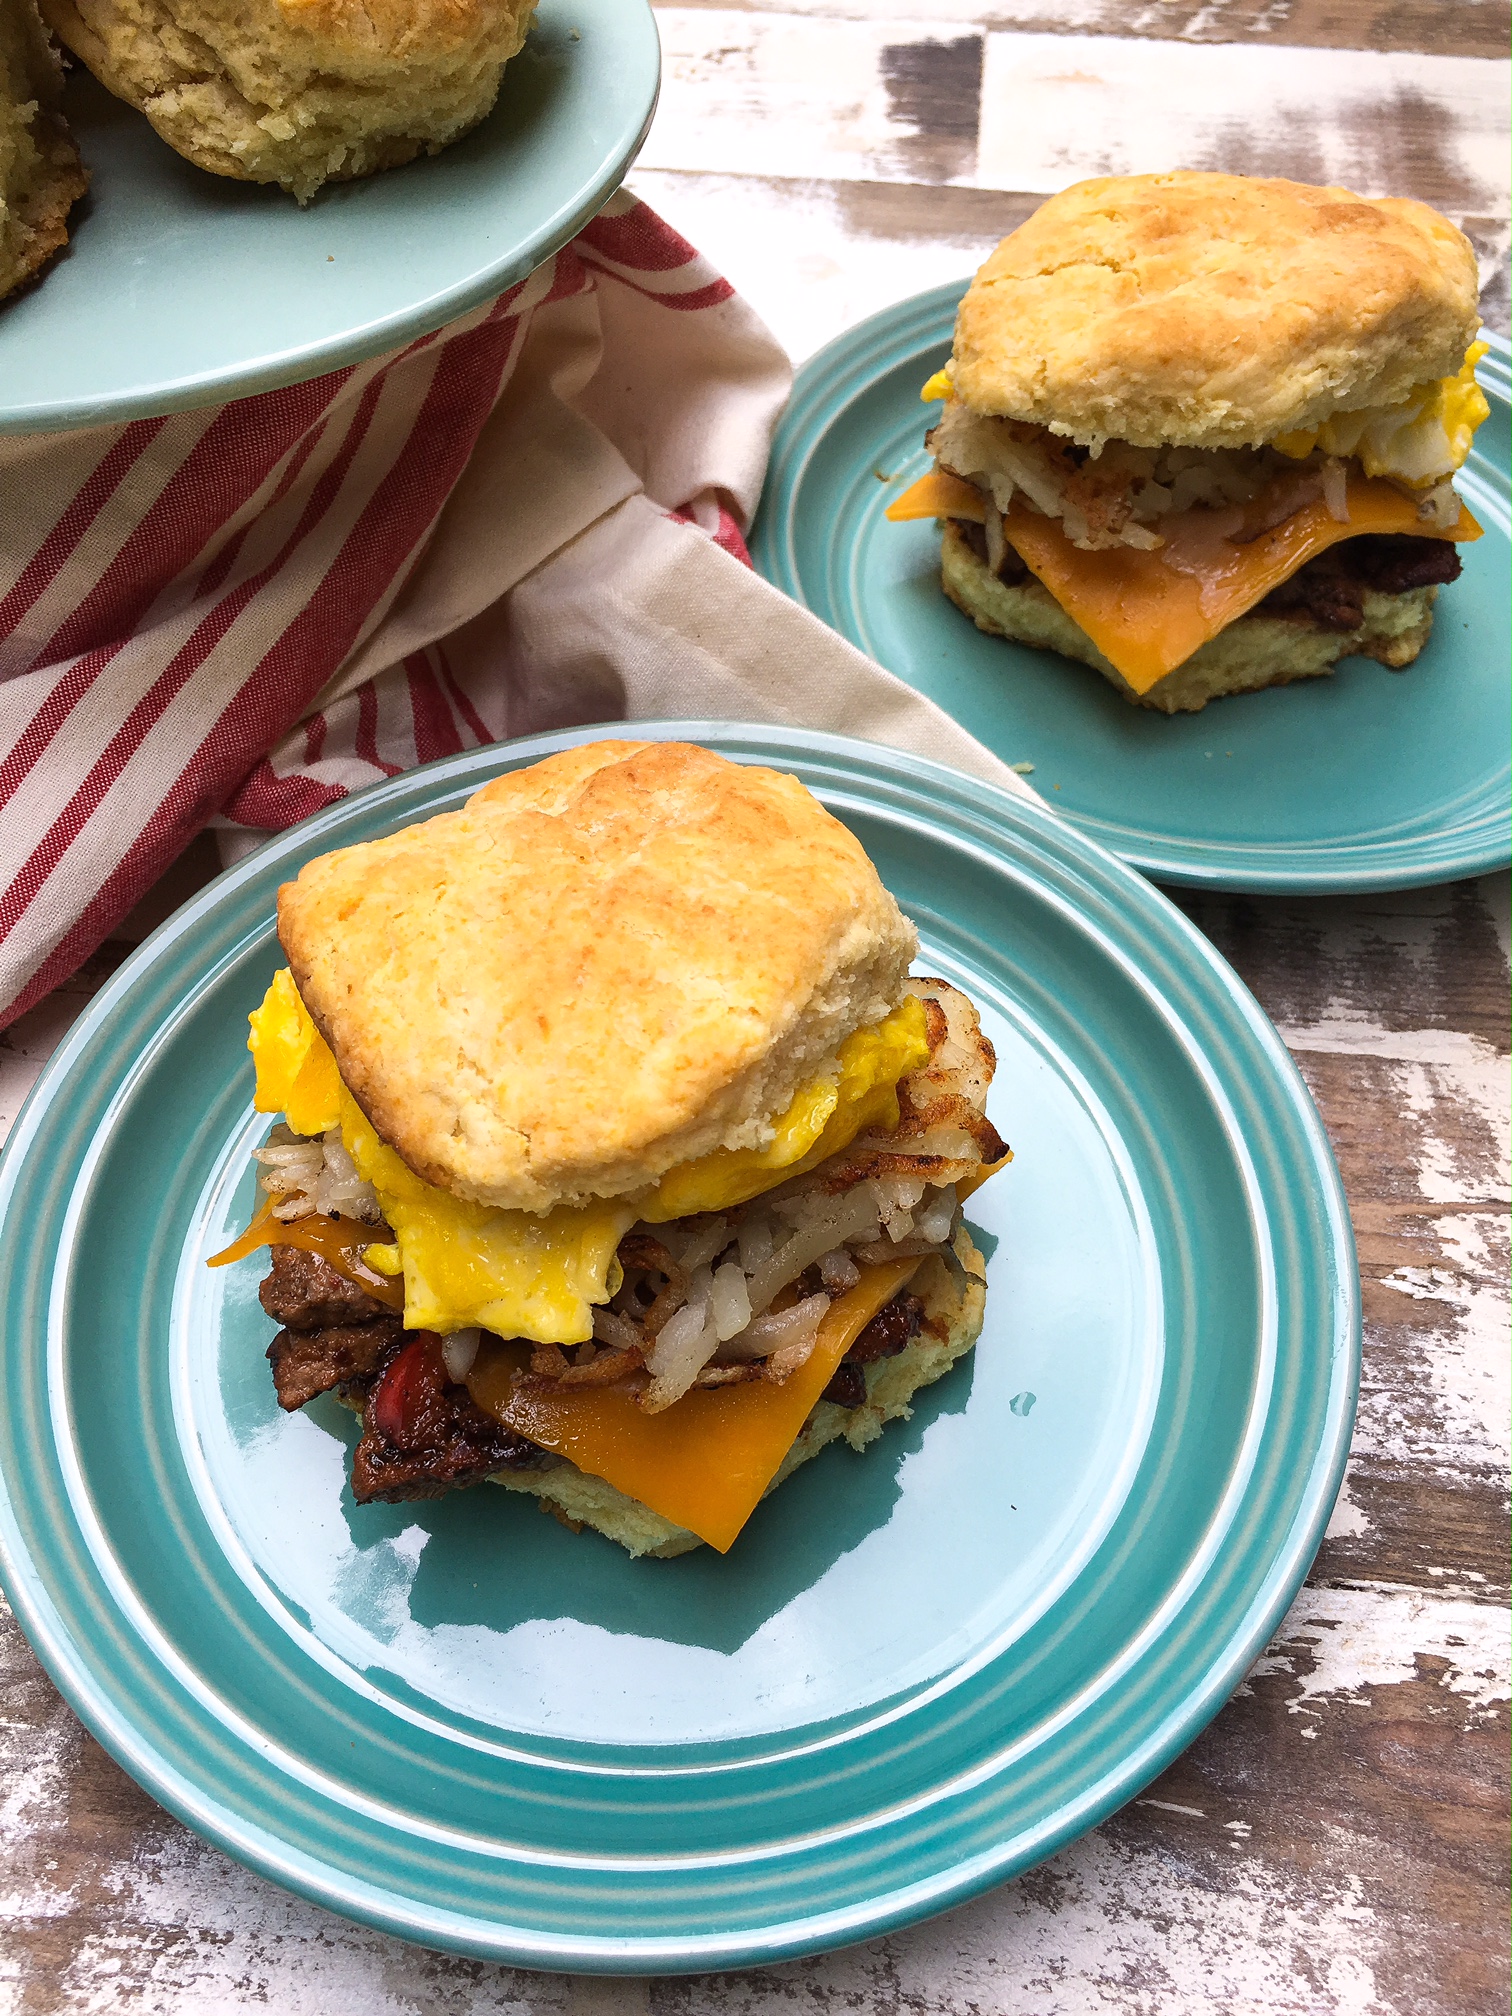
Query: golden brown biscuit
column 1212, row 311
column 660, row 947
column 1252, row 653
column 299, row 92
column 41, row 175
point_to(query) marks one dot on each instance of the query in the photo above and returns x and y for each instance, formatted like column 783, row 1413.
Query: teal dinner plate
column 1368, row 779
column 917, row 1671
column 180, row 288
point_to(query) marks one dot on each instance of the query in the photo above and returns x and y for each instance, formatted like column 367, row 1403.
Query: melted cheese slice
column 939, row 495
column 1148, row 612
column 520, row 1274
column 704, row 1463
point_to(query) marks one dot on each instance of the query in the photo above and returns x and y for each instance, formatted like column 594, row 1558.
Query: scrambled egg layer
column 522, row 1275
column 1421, row 440
column 463, row 1264
column 826, row 1115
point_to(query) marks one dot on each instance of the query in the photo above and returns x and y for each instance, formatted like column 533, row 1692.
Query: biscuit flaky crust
column 603, row 965
column 299, row 92
column 1212, row 311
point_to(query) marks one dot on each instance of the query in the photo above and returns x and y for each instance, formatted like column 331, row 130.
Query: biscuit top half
column 609, row 963
column 1212, row 311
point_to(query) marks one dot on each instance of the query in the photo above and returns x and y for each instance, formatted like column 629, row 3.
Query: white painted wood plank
column 1300, row 22
column 1452, row 1093
column 1430, row 126
column 1078, row 16
column 813, row 97
column 1444, row 27
column 785, row 95
column 1345, row 1643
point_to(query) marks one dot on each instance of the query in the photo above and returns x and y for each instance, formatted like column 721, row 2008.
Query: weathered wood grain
column 811, row 96
column 1395, row 1008
column 1334, row 1842
column 1381, row 124
column 832, row 163
column 1367, row 1888
column 1437, row 27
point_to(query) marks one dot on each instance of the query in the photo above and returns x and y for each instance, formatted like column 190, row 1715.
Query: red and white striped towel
column 530, row 519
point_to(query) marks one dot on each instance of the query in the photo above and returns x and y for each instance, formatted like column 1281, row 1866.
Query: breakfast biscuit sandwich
column 299, row 92
column 41, row 175
column 621, row 1158
column 1201, row 432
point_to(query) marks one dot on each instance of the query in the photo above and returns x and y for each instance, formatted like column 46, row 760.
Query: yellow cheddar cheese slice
column 939, row 495
column 704, row 1463
column 1148, row 612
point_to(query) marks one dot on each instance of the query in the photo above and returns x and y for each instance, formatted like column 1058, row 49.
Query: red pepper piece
column 406, row 1400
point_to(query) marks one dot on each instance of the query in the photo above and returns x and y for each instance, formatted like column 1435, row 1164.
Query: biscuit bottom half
column 1254, row 652
column 952, row 1323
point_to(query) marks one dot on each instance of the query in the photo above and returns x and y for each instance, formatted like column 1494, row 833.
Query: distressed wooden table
column 1335, row 1841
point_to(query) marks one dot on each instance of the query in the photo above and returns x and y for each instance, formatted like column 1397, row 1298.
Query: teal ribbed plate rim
column 1366, row 779
column 213, row 289
column 918, row 1672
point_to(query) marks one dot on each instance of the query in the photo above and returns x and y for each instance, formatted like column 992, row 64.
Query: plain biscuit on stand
column 41, row 175
column 299, row 92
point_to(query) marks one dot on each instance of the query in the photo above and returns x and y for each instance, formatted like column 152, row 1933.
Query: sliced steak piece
column 307, row 1362
column 1394, row 562
column 890, row 1331
column 1326, row 592
column 304, row 1292
column 423, row 1436
column 848, row 1387
column 1330, row 589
